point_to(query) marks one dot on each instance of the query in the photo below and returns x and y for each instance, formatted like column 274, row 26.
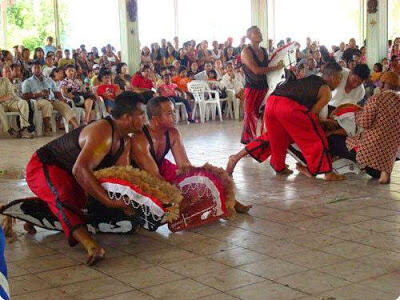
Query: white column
column 129, row 32
column 362, row 23
column 271, row 28
column 176, row 17
column 377, row 33
column 56, row 24
column 259, row 17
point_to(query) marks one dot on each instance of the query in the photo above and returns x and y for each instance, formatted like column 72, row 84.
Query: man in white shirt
column 204, row 74
column 231, row 81
column 351, row 88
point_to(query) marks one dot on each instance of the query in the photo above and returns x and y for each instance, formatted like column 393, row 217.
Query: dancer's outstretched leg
column 233, row 160
column 94, row 252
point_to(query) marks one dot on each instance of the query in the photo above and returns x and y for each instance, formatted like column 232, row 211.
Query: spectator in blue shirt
column 49, row 47
column 38, row 87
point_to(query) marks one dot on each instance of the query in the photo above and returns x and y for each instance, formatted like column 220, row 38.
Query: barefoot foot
column 241, row 208
column 94, row 255
column 232, row 161
column 285, row 172
column 332, row 176
column 385, row 178
column 303, row 170
column 29, row 228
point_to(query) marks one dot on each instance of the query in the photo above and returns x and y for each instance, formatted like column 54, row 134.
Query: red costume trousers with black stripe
column 288, row 122
column 60, row 191
column 253, row 100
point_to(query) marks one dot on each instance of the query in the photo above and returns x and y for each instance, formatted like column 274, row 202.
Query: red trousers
column 168, row 170
column 259, row 148
column 253, row 99
column 60, row 191
column 288, row 122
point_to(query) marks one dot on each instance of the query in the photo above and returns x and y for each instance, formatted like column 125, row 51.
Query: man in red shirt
column 142, row 84
column 107, row 90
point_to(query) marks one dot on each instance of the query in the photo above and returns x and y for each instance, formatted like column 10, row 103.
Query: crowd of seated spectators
column 59, row 80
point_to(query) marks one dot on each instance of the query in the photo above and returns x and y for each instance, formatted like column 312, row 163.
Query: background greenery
column 30, row 22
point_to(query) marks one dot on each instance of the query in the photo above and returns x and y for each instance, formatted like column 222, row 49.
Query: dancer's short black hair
column 332, row 68
column 250, row 29
column 153, row 107
column 362, row 71
column 126, row 103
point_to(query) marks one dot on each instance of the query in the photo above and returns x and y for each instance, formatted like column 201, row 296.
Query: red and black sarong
column 60, row 191
column 253, row 100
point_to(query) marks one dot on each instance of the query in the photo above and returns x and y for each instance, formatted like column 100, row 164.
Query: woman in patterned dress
column 376, row 147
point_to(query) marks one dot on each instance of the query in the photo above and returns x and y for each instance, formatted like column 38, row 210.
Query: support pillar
column 57, row 24
column 362, row 23
column 129, row 32
column 259, row 17
column 176, row 19
column 377, row 33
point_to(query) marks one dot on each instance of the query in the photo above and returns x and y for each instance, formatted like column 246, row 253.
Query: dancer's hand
column 280, row 65
column 329, row 124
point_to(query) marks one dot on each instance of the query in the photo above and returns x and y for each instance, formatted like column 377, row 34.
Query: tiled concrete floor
column 304, row 239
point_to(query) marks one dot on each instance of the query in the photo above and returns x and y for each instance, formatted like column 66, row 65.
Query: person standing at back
column 49, row 47
column 255, row 60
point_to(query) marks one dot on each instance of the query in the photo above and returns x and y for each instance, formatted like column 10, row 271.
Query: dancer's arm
column 125, row 158
column 96, row 142
column 324, row 96
column 248, row 60
column 141, row 155
column 178, row 149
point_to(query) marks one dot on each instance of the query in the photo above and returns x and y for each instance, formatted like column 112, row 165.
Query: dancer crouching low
column 291, row 116
column 61, row 172
column 150, row 147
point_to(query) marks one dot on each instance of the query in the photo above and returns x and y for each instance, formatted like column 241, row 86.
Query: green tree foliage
column 20, row 14
column 30, row 22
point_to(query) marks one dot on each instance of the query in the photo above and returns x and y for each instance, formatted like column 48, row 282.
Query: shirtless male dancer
column 291, row 116
column 61, row 172
column 255, row 67
column 150, row 147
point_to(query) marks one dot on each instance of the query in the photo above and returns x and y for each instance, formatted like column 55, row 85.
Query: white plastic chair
column 54, row 124
column 79, row 112
column 199, row 89
column 100, row 109
column 233, row 105
column 12, row 118
column 38, row 120
column 180, row 110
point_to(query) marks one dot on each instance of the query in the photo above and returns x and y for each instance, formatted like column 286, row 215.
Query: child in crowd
column 107, row 90
column 376, row 74
column 180, row 76
column 171, row 90
column 49, row 65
